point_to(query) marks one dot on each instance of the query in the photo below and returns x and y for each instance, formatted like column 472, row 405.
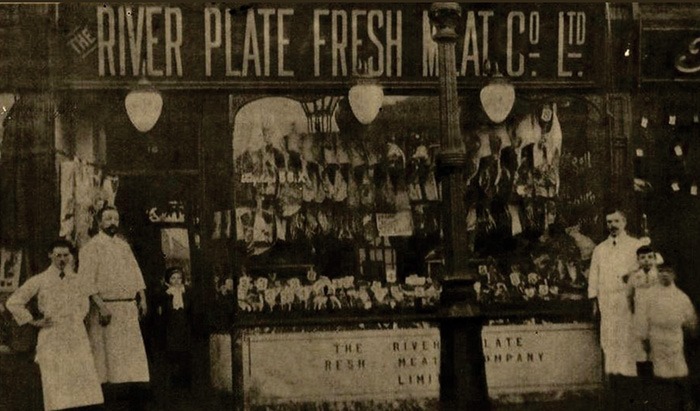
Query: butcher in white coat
column 68, row 375
column 109, row 264
column 611, row 261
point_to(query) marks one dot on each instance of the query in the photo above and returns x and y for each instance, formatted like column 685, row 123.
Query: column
column 462, row 375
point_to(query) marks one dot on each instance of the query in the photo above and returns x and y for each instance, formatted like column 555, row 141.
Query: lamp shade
column 497, row 99
column 143, row 106
column 366, row 101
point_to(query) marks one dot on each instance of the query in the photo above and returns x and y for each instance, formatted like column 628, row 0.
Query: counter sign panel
column 541, row 358
column 275, row 45
column 344, row 365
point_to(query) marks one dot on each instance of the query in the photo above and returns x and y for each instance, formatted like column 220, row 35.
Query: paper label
column 395, row 225
column 391, row 275
column 645, row 122
column 694, row 190
column 640, row 152
column 696, row 118
column 675, row 186
column 672, row 120
column 678, row 150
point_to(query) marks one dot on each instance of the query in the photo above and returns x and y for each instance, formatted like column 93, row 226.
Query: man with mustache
column 611, row 261
column 115, row 335
column 68, row 376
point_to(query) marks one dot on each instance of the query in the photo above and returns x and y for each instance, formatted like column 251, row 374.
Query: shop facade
column 320, row 246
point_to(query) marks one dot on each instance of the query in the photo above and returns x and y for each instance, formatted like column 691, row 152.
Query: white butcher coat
column 662, row 316
column 641, row 284
column 68, row 375
column 609, row 263
column 120, row 355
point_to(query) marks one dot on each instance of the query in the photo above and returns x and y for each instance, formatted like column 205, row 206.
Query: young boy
column 639, row 283
column 662, row 317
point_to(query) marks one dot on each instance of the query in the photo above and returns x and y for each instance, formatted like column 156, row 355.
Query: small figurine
column 175, row 309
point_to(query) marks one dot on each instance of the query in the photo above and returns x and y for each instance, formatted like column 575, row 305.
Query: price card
column 678, row 150
column 672, row 120
column 694, row 190
column 640, row 152
column 391, row 275
column 675, row 186
column 282, row 177
column 645, row 122
column 696, row 118
column 291, row 178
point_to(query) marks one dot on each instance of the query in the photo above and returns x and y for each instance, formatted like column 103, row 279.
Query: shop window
column 335, row 218
column 535, row 193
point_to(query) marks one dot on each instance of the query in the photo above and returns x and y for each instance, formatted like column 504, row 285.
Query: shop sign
column 395, row 225
column 541, row 358
column 279, row 46
column 670, row 54
column 173, row 213
column 341, row 366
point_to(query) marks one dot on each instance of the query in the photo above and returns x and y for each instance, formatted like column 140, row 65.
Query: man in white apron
column 108, row 262
column 68, row 375
column 612, row 260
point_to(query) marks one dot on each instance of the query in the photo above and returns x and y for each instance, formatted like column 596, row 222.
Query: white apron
column 616, row 336
column 68, row 375
column 611, row 260
column 62, row 353
column 119, row 352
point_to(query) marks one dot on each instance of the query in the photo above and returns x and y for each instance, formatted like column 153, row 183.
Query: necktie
column 614, row 243
column 61, row 275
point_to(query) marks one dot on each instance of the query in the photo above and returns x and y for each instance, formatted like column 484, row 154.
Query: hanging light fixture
column 498, row 96
column 366, row 96
column 144, row 104
column 319, row 114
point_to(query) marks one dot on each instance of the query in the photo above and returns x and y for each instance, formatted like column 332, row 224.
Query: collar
column 54, row 271
column 623, row 236
column 107, row 239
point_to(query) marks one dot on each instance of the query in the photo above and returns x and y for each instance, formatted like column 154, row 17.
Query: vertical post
column 462, row 376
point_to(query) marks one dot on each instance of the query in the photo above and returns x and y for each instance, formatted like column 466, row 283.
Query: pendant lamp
column 366, row 96
column 144, row 105
column 497, row 97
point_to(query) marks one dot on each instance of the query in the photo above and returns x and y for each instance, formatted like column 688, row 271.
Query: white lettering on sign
column 345, row 33
column 329, row 43
column 688, row 62
column 353, row 365
column 430, row 48
column 573, row 23
column 536, row 358
column 82, row 41
column 253, row 59
column 113, row 31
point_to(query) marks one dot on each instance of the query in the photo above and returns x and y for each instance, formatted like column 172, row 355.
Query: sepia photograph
column 349, row 206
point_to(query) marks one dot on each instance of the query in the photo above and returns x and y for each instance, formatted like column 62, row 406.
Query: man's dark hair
column 104, row 209
column 61, row 243
column 615, row 209
column 667, row 269
column 645, row 249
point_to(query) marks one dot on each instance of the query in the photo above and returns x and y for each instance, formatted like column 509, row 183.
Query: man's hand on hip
column 105, row 317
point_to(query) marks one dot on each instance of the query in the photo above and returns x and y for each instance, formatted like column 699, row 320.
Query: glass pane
column 332, row 215
column 175, row 244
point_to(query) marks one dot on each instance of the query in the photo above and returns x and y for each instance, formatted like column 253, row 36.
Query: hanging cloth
column 67, row 171
column 28, row 195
